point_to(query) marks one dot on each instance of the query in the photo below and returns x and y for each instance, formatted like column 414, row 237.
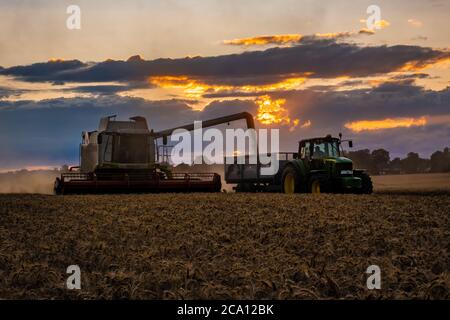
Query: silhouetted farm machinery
column 125, row 156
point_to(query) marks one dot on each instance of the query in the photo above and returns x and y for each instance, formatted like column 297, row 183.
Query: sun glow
column 273, row 112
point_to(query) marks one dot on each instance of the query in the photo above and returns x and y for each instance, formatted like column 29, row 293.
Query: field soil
column 422, row 182
column 211, row 246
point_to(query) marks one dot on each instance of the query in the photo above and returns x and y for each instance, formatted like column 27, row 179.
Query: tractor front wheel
column 315, row 186
column 318, row 184
column 366, row 184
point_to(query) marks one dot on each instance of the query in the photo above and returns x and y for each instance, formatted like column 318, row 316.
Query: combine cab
column 123, row 156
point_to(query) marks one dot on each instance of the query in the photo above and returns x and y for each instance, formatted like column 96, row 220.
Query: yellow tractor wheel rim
column 289, row 183
column 315, row 188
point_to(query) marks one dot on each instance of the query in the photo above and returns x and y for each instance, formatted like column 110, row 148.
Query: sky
column 309, row 68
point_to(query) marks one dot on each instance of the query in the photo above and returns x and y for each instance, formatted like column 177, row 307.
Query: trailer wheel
column 217, row 183
column 290, row 181
column 244, row 187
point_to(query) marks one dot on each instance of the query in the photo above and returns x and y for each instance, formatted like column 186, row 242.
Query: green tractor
column 317, row 167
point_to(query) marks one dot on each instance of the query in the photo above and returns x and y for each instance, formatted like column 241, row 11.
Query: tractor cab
column 319, row 148
column 316, row 152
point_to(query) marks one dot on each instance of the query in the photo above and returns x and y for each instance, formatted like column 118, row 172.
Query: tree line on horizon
column 376, row 162
column 379, row 162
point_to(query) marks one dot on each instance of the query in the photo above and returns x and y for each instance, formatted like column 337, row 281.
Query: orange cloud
column 273, row 112
column 282, row 39
column 370, row 125
column 195, row 88
column 307, row 124
column 414, row 66
column 263, row 40
column 382, row 24
column 55, row 60
column 334, row 35
column 366, row 31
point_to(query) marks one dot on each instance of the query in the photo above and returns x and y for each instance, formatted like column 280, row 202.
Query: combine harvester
column 123, row 156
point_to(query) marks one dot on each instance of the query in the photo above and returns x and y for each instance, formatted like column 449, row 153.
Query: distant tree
column 440, row 161
column 380, row 160
column 362, row 159
column 395, row 166
column 437, row 163
column 411, row 163
column 446, row 159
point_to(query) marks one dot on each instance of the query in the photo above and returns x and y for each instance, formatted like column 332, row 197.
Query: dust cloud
column 24, row 181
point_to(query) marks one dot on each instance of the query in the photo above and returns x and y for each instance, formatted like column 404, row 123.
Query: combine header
column 123, row 156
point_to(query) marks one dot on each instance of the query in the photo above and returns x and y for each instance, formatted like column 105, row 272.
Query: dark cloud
column 424, row 140
column 405, row 86
column 6, row 92
column 322, row 58
column 44, row 71
column 330, row 111
column 420, row 38
column 222, row 108
column 99, row 89
column 106, row 89
column 349, row 83
column 335, row 108
column 243, row 80
column 411, row 76
column 48, row 131
column 238, row 94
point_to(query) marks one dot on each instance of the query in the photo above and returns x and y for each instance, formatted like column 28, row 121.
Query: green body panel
column 328, row 166
column 349, row 182
column 299, row 166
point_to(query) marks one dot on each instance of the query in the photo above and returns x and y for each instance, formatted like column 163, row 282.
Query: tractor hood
column 338, row 159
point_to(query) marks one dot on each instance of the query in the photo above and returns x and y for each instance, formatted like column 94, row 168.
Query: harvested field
column 422, row 182
column 209, row 246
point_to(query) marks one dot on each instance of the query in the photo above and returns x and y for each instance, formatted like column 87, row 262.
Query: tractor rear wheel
column 366, row 184
column 290, row 181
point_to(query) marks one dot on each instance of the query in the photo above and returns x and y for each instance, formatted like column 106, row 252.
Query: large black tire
column 217, row 184
column 291, row 180
column 366, row 184
column 318, row 183
column 57, row 187
column 245, row 187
